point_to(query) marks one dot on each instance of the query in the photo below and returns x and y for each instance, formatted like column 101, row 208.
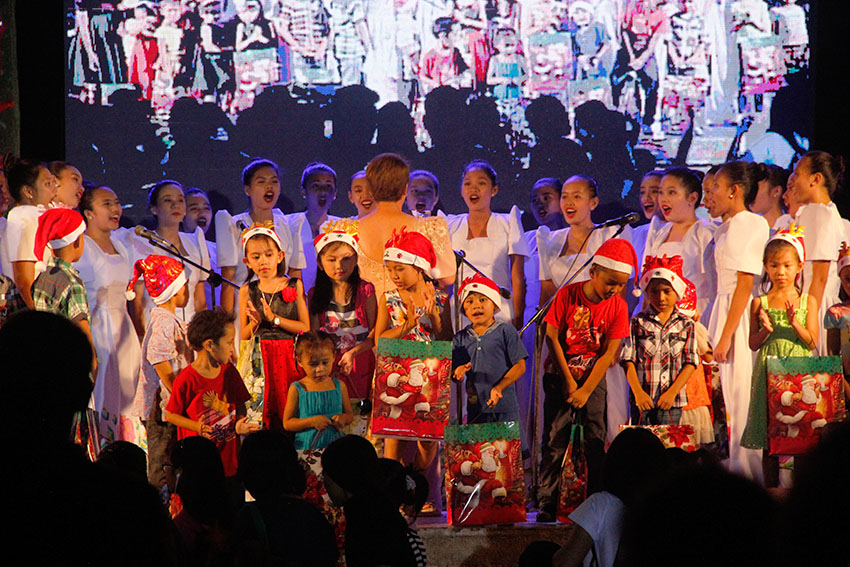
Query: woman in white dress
column 105, row 268
column 650, row 185
column 168, row 206
column 685, row 235
column 768, row 201
column 814, row 180
column 738, row 256
column 493, row 242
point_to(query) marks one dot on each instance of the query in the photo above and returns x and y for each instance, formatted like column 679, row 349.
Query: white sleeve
column 203, row 252
column 85, row 266
column 516, row 237
column 824, row 231
column 745, row 242
column 226, row 240
column 295, row 254
column 20, row 233
column 543, row 234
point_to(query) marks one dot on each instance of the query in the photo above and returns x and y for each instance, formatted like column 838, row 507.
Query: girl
column 317, row 406
column 783, row 322
column 685, row 235
column 650, row 185
column 261, row 183
column 33, row 188
column 837, row 319
column 273, row 309
column 168, row 206
column 768, row 201
column 494, row 242
column 105, row 268
column 737, row 262
column 345, row 307
column 812, row 184
column 70, row 180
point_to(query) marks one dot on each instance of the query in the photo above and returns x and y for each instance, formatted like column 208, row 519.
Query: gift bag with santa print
column 484, row 483
column 803, row 395
column 572, row 486
column 410, row 392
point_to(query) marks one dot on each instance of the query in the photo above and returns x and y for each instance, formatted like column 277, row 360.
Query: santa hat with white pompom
column 618, row 255
column 57, row 228
column 163, row 277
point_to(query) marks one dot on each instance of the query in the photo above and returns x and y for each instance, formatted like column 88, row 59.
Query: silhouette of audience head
column 547, row 118
column 350, row 468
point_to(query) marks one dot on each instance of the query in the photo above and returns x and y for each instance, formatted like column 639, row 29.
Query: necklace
column 271, row 295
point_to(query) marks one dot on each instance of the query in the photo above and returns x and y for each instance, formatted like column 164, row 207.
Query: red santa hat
column 843, row 257
column 413, row 248
column 618, row 255
column 58, row 228
column 664, row 268
column 480, row 284
column 687, row 304
column 335, row 236
column 794, row 236
column 163, row 277
column 264, row 229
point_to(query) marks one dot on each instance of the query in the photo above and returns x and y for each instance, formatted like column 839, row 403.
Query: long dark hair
column 323, row 290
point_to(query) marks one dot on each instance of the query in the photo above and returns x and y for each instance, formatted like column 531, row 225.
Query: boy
column 585, row 325
column 423, row 192
column 208, row 397
column 490, row 352
column 661, row 352
column 59, row 288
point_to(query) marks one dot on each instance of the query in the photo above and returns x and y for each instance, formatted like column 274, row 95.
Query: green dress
column 783, row 341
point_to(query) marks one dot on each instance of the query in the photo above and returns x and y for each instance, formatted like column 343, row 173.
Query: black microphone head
column 632, row 218
column 241, row 224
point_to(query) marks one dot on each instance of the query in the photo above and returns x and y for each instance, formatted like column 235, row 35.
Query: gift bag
column 484, row 482
column 410, row 393
column 250, row 367
column 803, row 395
column 572, row 486
column 680, row 436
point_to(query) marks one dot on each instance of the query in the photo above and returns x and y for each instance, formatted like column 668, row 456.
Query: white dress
column 492, row 254
column 738, row 247
column 5, row 265
column 824, row 232
column 300, row 226
column 697, row 252
column 118, row 352
column 19, row 241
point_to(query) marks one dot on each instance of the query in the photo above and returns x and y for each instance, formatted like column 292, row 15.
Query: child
column 507, row 74
column 494, row 242
column 443, row 65
column 585, row 325
column 489, row 354
column 837, row 319
column 272, row 308
column 208, row 397
column 351, row 40
column 591, row 42
column 783, row 322
column 317, row 406
column 345, row 307
column 165, row 353
column 360, row 195
column 736, row 265
column 423, row 192
column 661, row 353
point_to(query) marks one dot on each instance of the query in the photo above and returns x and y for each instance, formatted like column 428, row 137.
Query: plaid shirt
column 60, row 290
column 660, row 351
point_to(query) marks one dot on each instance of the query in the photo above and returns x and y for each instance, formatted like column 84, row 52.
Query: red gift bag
column 572, row 486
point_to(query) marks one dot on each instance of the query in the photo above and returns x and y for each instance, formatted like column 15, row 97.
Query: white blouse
column 739, row 247
column 301, row 228
column 824, row 232
column 559, row 268
column 19, row 241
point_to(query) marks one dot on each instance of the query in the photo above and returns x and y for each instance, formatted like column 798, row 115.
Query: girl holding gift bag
column 783, row 322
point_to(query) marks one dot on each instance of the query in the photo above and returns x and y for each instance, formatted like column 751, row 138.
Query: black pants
column 558, row 416
column 162, row 436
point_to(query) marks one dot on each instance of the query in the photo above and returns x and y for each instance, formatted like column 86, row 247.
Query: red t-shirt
column 214, row 401
column 583, row 325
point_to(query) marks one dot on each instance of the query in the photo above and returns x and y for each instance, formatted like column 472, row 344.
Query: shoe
column 429, row 510
column 545, row 517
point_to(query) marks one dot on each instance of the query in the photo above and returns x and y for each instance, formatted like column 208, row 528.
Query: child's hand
column 340, row 420
column 460, row 371
column 244, row 428
column 267, row 311
column 790, row 312
column 321, row 422
column 346, row 363
column 643, row 401
column 666, row 400
column 578, row 398
column 429, row 300
column 204, row 430
column 253, row 314
column 765, row 320
column 495, row 396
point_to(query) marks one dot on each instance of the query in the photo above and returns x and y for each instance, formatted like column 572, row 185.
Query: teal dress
column 310, row 404
column 782, row 342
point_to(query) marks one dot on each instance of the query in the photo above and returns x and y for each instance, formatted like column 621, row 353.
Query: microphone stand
column 214, row 278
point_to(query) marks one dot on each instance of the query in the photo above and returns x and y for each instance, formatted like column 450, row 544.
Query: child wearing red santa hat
column 585, row 325
column 165, row 353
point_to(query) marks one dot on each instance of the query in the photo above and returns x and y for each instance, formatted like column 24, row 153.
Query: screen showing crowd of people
column 219, row 351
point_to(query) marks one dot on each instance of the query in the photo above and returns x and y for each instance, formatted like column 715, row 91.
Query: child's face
column 262, row 256
column 719, row 197
column 360, row 195
column 545, row 204
column 70, row 187
column 182, row 296
column 338, row 261
column 607, row 283
column 577, row 203
column 649, row 187
column 767, row 198
column 105, row 213
column 782, row 267
column 317, row 363
column 170, row 206
column 403, row 276
column 264, row 188
column 676, row 204
column 320, row 192
column 507, row 44
column 661, row 295
column 223, row 349
column 479, row 309
column 249, row 12
column 45, row 188
column 421, row 195
column 477, row 190
column 198, row 213
column 844, row 276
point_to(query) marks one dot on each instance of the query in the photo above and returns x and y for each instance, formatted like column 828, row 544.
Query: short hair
column 481, row 165
column 589, row 181
column 254, row 166
column 192, row 191
column 311, row 341
column 388, row 175
column 553, row 182
column 314, row 168
column 208, row 324
column 442, row 25
column 416, row 174
column 153, row 195
column 690, row 180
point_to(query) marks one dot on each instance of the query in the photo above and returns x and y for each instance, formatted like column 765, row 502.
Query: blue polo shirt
column 492, row 355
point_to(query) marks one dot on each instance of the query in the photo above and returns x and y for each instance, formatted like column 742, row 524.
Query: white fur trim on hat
column 679, row 285
column 843, row 262
column 485, row 290
column 68, row 239
column 265, row 231
column 331, row 237
column 405, row 257
column 172, row 289
column 612, row 264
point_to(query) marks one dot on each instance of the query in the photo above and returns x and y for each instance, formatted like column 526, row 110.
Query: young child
column 489, row 354
column 443, row 65
column 345, row 307
column 165, row 353
column 837, row 319
column 590, row 40
column 360, row 195
column 661, row 353
column 585, row 325
column 208, row 397
column 494, row 242
column 272, row 308
column 783, row 322
column 317, row 405
column 423, row 192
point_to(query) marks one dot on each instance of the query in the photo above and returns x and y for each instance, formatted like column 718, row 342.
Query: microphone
column 240, row 224
column 151, row 236
column 460, row 258
column 621, row 221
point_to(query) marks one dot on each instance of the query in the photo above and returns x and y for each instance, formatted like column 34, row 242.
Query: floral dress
column 422, row 331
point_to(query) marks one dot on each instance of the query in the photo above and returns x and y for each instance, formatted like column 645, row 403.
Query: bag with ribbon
column 572, row 486
column 679, row 436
